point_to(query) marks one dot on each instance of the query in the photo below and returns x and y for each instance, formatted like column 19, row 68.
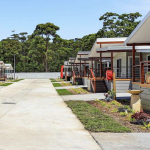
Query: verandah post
column 112, row 61
column 133, row 62
column 100, row 64
column 92, row 67
column 80, row 65
column 142, row 72
column 84, row 68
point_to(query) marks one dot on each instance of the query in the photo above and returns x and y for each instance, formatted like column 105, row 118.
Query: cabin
column 141, row 37
column 8, row 70
column 121, row 65
column 2, row 71
column 101, row 61
column 80, row 68
column 128, row 58
column 68, row 67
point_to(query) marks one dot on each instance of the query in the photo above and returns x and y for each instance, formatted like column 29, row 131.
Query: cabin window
column 119, row 67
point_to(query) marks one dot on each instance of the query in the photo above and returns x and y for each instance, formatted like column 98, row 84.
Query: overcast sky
column 75, row 18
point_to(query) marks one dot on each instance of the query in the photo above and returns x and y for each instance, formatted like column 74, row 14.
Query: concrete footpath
column 123, row 141
column 93, row 96
column 34, row 117
column 84, row 97
column 69, row 87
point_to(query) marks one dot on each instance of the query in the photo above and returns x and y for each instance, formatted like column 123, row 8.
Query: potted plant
column 76, row 83
column 107, row 98
column 147, row 77
column 110, row 95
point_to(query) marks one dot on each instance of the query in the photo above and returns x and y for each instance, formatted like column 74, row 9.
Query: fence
column 34, row 75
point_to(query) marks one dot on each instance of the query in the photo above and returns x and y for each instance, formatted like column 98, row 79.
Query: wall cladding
column 36, row 75
column 85, row 80
column 123, row 86
column 89, row 85
column 109, row 85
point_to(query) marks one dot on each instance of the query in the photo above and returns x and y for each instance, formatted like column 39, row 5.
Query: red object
column 61, row 73
column 109, row 75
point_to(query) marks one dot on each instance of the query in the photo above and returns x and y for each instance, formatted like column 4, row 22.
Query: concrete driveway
column 34, row 117
column 123, row 141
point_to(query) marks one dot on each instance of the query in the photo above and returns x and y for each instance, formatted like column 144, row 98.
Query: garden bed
column 111, row 109
column 61, row 84
column 78, row 91
column 95, row 120
column 57, row 85
column 66, row 84
column 5, row 84
column 17, row 80
column 11, row 80
column 59, row 80
column 72, row 91
column 53, row 80
column 63, row 92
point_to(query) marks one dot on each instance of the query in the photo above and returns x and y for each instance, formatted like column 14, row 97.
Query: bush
column 141, row 117
column 123, row 114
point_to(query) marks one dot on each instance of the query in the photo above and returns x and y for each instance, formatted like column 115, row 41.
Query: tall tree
column 115, row 25
column 45, row 46
column 48, row 32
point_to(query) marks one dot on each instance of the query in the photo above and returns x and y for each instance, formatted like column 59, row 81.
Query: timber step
column 101, row 86
column 68, row 78
column 78, row 80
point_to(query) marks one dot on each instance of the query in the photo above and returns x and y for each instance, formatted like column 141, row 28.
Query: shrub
column 97, row 100
column 129, row 118
column 103, row 104
column 108, row 106
column 113, row 102
column 115, row 110
column 126, row 107
column 123, row 114
column 141, row 116
column 146, row 125
column 76, row 83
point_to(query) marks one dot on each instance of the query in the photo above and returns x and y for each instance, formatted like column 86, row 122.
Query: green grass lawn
column 5, row 84
column 63, row 92
column 53, row 80
column 57, row 85
column 93, row 119
column 17, row 80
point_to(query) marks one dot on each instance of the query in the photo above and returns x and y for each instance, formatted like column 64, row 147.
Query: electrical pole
column 14, row 66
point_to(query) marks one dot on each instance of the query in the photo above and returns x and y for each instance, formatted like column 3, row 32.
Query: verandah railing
column 93, row 80
column 120, row 72
column 144, row 68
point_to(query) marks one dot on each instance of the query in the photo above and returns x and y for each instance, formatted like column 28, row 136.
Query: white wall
column 34, row 75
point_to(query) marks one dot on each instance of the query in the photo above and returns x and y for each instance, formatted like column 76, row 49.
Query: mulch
column 75, row 93
column 136, row 128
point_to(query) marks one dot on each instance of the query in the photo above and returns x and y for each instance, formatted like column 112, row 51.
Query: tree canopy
column 115, row 25
column 45, row 51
